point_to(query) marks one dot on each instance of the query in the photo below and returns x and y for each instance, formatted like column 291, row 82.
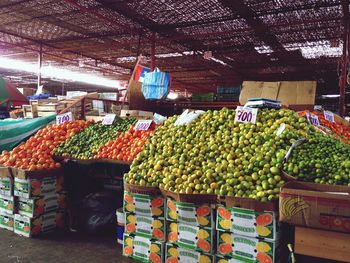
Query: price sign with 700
column 246, row 114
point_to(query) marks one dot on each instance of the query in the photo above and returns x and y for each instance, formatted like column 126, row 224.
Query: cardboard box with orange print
column 188, row 213
column 143, row 249
column 191, row 237
column 6, row 220
column 247, row 222
column 149, row 227
column 176, row 254
column 28, row 227
column 34, row 207
column 145, row 205
column 6, row 186
column 237, row 248
column 31, row 188
column 7, row 204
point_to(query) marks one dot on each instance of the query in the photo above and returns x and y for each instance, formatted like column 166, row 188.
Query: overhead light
column 172, row 95
column 58, row 73
column 264, row 49
column 331, row 96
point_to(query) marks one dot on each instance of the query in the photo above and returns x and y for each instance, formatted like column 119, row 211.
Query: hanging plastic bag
column 156, row 85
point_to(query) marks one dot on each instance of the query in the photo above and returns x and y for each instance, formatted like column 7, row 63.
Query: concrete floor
column 59, row 247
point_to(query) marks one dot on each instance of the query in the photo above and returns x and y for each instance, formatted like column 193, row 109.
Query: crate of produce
column 176, row 254
column 30, row 111
column 149, row 227
column 143, row 204
column 247, row 249
column 49, row 109
column 247, row 222
column 30, row 188
column 191, row 237
column 192, row 214
column 6, row 220
column 33, row 207
column 316, row 205
column 143, row 249
column 203, row 97
column 28, row 227
column 7, row 204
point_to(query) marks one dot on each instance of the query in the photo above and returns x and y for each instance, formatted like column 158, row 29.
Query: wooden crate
column 322, row 244
column 30, row 111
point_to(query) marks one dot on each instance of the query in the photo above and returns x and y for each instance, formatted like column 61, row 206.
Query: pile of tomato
column 338, row 130
column 36, row 152
column 127, row 146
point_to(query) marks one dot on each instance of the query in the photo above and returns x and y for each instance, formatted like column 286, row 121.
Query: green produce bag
column 12, row 132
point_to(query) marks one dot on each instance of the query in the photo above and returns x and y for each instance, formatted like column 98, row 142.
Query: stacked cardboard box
column 245, row 235
column 190, row 232
column 7, row 200
column 145, row 227
column 40, row 203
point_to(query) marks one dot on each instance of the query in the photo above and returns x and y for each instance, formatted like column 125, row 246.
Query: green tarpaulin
column 12, row 132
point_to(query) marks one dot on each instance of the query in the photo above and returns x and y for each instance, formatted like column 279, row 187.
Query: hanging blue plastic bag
column 156, row 85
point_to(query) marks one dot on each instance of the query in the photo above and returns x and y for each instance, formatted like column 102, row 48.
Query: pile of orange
column 36, row 152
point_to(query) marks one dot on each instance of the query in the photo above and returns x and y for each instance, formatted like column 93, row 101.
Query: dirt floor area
column 73, row 248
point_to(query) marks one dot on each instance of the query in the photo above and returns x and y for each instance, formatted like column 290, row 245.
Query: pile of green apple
column 217, row 155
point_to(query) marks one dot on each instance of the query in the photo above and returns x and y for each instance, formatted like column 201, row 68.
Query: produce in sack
column 322, row 159
column 86, row 144
column 127, row 146
column 216, row 155
column 36, row 153
column 337, row 130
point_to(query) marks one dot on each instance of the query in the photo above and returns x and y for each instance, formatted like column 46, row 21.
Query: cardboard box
column 247, row 222
column 316, row 205
column 322, row 244
column 30, row 188
column 34, row 207
column 6, row 220
column 28, row 227
column 143, row 249
column 250, row 248
column 146, row 205
column 188, row 213
column 7, row 204
column 191, row 237
column 288, row 92
column 149, row 227
column 175, row 253
column 138, row 114
column 6, row 186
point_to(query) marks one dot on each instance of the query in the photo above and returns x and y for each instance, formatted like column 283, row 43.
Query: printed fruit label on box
column 142, row 249
column 175, row 254
column 38, row 206
column 230, row 244
column 29, row 188
column 28, row 227
column 146, row 205
column 7, row 203
column 153, row 228
column 6, row 186
column 246, row 222
column 6, row 220
column 191, row 237
column 198, row 215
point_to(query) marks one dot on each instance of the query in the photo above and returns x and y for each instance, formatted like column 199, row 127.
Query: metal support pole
column 40, row 61
column 153, row 52
column 342, row 84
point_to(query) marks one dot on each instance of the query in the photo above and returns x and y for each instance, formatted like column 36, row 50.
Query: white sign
column 329, row 116
column 246, row 114
column 108, row 119
column 314, row 120
column 143, row 125
column 64, row 117
column 158, row 119
column 280, row 129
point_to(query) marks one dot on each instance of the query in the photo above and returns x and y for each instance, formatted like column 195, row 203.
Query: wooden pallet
column 30, row 111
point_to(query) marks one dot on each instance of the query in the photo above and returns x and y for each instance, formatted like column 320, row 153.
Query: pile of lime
column 217, row 155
